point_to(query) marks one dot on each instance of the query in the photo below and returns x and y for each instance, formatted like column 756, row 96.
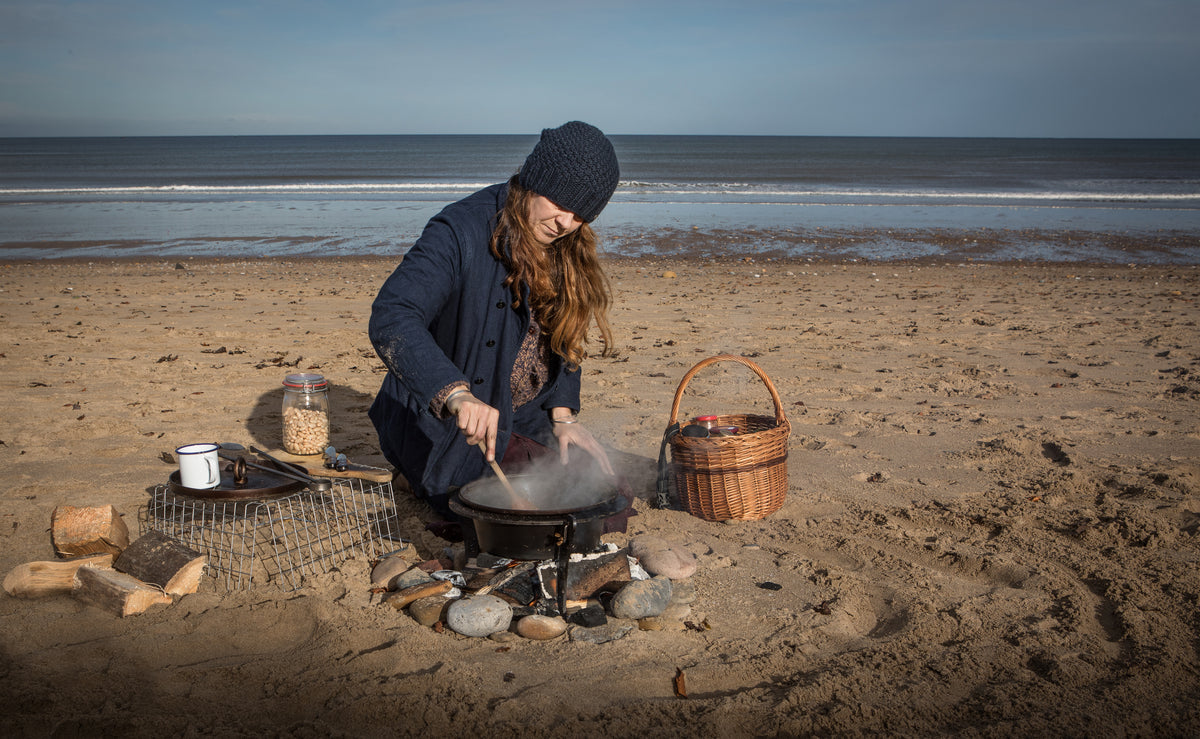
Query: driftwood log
column 116, row 592
column 402, row 598
column 157, row 559
column 39, row 579
column 77, row 531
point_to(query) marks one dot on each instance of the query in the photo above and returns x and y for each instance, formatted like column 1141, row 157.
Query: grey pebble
column 479, row 616
column 415, row 576
column 642, row 598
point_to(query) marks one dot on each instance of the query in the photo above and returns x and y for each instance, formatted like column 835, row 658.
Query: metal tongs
column 229, row 452
column 317, row 484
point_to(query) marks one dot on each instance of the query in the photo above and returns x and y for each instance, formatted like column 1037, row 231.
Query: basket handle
column 779, row 419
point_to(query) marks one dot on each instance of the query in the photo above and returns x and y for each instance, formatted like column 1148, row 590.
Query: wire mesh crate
column 282, row 540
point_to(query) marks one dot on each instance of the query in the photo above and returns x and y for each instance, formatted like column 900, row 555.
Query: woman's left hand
column 575, row 433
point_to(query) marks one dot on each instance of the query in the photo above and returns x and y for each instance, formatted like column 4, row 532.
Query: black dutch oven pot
column 542, row 518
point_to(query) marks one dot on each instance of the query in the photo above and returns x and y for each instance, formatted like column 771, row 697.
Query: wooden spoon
column 500, row 474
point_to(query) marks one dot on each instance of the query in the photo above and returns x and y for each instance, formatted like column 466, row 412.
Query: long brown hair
column 567, row 288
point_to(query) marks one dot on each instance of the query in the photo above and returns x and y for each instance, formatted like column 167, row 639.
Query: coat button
column 500, row 304
column 490, row 343
column 478, row 380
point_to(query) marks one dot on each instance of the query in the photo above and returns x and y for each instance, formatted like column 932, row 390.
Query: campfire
column 562, row 581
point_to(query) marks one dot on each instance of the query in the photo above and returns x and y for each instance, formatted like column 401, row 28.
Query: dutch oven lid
column 539, row 494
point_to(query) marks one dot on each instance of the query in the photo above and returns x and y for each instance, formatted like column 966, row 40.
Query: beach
column 991, row 528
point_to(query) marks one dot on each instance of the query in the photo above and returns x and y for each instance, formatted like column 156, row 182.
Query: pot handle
column 565, row 545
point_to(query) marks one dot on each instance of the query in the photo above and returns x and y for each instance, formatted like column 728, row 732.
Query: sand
column 990, row 527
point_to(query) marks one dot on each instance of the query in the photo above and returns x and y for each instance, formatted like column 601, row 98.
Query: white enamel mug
column 199, row 467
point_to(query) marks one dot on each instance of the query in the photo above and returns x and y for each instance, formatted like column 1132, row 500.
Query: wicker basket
column 743, row 476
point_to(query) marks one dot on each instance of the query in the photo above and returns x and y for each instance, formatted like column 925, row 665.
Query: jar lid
column 706, row 418
column 306, row 381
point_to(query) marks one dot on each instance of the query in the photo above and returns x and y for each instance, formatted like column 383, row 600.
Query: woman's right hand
column 477, row 421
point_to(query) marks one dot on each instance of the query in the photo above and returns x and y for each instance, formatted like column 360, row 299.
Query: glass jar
column 305, row 414
column 708, row 422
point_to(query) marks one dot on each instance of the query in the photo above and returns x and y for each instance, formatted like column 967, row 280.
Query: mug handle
column 214, row 471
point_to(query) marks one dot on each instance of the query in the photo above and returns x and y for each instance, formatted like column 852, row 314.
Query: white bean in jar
column 305, row 430
column 305, row 414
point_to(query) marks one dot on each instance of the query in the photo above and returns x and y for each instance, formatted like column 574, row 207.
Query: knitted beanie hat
column 574, row 166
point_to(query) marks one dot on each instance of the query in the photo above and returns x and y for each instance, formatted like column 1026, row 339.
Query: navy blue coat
column 444, row 316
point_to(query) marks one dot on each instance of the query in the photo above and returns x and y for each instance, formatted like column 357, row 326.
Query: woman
column 483, row 325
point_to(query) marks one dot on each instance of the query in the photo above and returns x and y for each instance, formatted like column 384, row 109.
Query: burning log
column 116, row 592
column 157, row 559
column 77, row 531
column 590, row 576
column 38, row 579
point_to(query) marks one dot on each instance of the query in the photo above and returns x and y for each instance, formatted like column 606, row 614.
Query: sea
column 1118, row 201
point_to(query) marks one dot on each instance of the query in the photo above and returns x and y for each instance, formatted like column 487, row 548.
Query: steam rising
column 546, row 485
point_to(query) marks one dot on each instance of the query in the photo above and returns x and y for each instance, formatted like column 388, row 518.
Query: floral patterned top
column 530, row 372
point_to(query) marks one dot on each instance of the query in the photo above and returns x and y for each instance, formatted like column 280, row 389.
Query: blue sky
column 1057, row 68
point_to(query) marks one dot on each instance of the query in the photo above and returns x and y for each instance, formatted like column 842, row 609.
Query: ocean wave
column 301, row 188
column 689, row 186
column 734, row 192
column 899, row 193
column 934, row 195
